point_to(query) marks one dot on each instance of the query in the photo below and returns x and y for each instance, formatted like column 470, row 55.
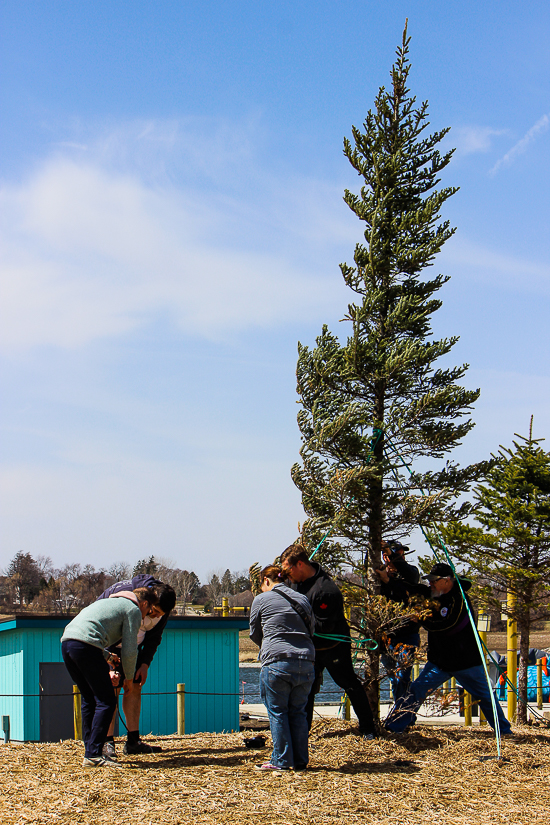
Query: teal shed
column 201, row 652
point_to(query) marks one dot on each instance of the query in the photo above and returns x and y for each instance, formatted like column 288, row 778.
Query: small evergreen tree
column 380, row 397
column 227, row 583
column 148, row 566
column 510, row 549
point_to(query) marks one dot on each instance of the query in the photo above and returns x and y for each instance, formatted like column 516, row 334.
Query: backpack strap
column 299, row 610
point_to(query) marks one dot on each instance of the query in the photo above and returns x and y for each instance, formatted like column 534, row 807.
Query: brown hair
column 145, row 594
column 273, row 573
column 294, row 554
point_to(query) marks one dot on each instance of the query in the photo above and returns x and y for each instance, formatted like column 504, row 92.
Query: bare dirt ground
column 441, row 775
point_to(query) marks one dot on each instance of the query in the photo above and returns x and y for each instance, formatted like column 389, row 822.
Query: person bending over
column 84, row 648
column 149, row 638
column 452, row 651
column 282, row 624
column 328, row 609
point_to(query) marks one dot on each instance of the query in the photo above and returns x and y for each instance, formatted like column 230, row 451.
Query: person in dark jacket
column 452, row 651
column 328, row 608
column 149, row 638
column 399, row 580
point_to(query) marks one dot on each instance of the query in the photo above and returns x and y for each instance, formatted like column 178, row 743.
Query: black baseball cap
column 440, row 571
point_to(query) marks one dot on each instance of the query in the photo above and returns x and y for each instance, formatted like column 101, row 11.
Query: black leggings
column 90, row 672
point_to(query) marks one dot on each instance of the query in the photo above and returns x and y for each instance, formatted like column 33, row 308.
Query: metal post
column 77, row 713
column 467, row 709
column 483, row 637
column 347, row 708
column 416, row 670
column 511, row 655
column 181, row 709
column 225, row 606
column 539, row 684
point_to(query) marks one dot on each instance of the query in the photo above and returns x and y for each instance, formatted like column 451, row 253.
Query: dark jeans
column 90, row 673
column 337, row 661
column 398, row 662
column 472, row 679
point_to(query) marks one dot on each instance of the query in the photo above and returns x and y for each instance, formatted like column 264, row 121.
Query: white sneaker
column 99, row 762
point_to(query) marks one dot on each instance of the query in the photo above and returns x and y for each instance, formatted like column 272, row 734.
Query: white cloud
column 92, row 251
column 470, row 140
column 521, row 146
column 503, row 270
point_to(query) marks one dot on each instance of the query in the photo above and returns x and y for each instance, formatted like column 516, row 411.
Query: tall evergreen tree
column 509, row 548
column 380, row 398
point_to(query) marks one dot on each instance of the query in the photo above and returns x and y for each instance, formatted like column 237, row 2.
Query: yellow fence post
column 181, row 708
column 539, row 684
column 511, row 655
column 467, row 709
column 225, row 606
column 77, row 713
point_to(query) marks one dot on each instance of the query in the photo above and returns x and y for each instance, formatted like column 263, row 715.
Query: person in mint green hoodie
column 83, row 645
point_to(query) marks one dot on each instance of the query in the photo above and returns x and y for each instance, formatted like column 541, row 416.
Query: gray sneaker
column 109, row 750
column 99, row 762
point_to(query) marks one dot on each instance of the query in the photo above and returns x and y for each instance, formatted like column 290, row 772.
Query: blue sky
column 172, row 224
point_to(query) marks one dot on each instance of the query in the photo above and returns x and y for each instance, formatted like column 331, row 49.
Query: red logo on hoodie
column 323, row 606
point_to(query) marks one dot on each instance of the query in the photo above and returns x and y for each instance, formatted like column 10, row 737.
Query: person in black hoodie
column 328, row 608
column 452, row 651
column 399, row 580
column 149, row 638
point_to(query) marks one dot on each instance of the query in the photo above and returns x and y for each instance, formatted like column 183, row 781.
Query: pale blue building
column 202, row 653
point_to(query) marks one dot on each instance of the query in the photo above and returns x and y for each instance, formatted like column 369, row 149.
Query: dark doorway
column 56, row 711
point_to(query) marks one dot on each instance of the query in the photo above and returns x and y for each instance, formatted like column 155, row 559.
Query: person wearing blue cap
column 452, row 652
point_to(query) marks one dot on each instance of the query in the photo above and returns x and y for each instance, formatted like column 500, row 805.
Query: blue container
column 203, row 653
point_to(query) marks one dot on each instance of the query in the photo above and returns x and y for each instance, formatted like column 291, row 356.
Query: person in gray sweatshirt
column 282, row 623
column 83, row 646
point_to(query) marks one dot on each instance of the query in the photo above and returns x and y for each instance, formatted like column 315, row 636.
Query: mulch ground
column 435, row 774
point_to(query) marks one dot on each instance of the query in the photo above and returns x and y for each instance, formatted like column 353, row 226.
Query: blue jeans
column 398, row 663
column 284, row 688
column 471, row 679
column 90, row 672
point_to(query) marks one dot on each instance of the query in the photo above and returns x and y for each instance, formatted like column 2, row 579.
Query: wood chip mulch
column 435, row 774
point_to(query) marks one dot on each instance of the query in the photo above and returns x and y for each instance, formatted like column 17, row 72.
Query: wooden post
column 511, row 655
column 539, row 684
column 467, row 709
column 77, row 713
column 225, row 606
column 181, row 709
column 416, row 670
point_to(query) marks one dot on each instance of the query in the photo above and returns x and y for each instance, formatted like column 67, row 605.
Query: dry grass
column 438, row 775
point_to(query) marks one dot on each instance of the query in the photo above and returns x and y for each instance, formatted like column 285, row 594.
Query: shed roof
column 17, row 621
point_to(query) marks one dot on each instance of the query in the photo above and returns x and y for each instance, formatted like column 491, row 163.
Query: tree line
column 33, row 583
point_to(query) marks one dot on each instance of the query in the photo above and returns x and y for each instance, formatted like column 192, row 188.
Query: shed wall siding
column 11, row 682
column 40, row 645
column 207, row 663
